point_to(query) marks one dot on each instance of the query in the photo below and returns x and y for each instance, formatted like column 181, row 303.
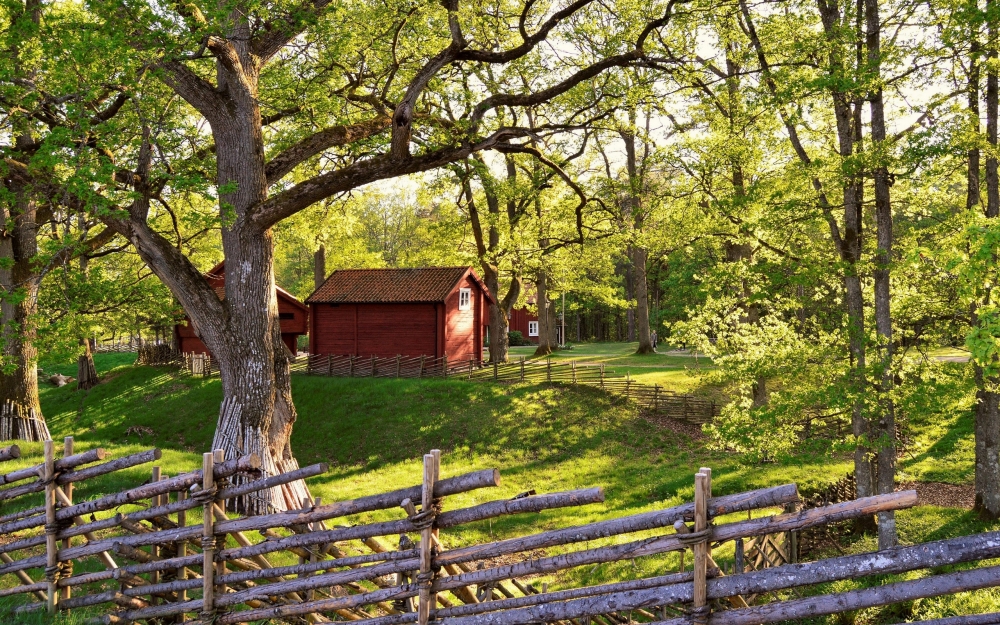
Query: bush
column 516, row 339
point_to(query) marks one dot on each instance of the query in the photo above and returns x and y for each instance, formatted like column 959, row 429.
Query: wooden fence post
column 738, row 564
column 397, row 364
column 350, row 366
column 702, row 493
column 208, row 536
column 446, row 366
column 495, row 367
column 219, row 457
column 154, row 550
column 420, row 374
column 548, row 369
column 329, row 365
column 522, row 368
column 373, row 365
column 628, row 384
column 573, row 363
column 427, row 599
column 68, row 491
column 470, row 368
column 656, row 397
column 602, row 375
column 51, row 529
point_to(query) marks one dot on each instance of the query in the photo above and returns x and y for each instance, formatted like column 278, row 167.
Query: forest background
column 805, row 192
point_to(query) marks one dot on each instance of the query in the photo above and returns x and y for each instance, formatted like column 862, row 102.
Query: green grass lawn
column 674, row 370
column 373, row 434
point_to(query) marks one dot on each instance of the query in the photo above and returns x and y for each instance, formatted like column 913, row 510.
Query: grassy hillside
column 374, row 432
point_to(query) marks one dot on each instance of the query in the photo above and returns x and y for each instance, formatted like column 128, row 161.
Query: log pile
column 169, row 549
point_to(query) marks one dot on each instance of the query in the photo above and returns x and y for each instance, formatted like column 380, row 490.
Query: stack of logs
column 152, row 560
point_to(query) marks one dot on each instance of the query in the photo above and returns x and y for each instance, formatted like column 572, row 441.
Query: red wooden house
column 428, row 311
column 524, row 321
column 293, row 316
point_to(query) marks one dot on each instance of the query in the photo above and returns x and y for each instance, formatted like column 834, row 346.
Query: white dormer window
column 532, row 328
column 464, row 299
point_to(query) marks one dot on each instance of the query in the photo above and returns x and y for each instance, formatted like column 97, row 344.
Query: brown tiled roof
column 360, row 286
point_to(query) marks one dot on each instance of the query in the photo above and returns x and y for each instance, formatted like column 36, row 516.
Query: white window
column 464, row 299
column 532, row 328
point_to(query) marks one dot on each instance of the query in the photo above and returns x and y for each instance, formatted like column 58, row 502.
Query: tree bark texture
column 638, row 321
column 987, row 409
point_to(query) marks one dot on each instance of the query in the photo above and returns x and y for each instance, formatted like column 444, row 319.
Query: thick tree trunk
column 638, row 256
column 500, row 313
column 987, row 410
column 20, row 412
column 546, row 329
column 886, row 456
column 86, row 372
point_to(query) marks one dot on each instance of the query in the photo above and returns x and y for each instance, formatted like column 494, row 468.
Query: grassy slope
column 373, row 433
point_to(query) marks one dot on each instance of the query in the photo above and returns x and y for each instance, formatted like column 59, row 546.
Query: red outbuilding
column 524, row 321
column 293, row 316
column 427, row 311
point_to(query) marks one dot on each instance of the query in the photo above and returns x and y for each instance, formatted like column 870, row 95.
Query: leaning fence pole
column 51, row 529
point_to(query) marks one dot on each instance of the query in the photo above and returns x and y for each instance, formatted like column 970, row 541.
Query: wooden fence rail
column 144, row 558
column 690, row 408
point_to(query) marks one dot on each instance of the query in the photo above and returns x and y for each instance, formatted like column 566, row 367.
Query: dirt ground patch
column 690, row 430
column 941, row 494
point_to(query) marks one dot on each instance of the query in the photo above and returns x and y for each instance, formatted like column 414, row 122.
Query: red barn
column 428, row 311
column 293, row 316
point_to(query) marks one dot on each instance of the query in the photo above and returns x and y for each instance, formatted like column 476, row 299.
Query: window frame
column 532, row 324
column 467, row 293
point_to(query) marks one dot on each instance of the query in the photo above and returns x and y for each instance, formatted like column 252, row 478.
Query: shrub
column 515, row 339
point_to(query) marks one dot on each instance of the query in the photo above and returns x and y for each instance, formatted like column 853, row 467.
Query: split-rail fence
column 171, row 549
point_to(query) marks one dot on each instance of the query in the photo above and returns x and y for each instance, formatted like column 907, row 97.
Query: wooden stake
column 702, row 491
column 427, row 598
column 208, row 534
column 182, row 551
column 68, row 491
column 51, row 549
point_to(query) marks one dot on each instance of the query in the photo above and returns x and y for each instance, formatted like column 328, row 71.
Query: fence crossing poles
column 702, row 493
column 68, row 491
column 51, row 549
column 208, row 535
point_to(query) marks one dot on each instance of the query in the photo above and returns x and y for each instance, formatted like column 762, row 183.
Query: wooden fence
column 167, row 549
column 655, row 398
